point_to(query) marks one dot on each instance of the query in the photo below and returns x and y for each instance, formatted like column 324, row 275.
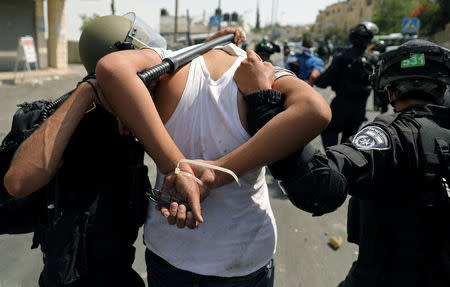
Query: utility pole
column 188, row 35
column 273, row 10
column 113, row 7
column 176, row 22
column 220, row 16
column 257, row 26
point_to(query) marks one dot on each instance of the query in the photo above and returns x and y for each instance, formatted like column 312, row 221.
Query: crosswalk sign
column 214, row 21
column 410, row 26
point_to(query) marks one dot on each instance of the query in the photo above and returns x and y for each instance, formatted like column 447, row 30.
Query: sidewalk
column 36, row 77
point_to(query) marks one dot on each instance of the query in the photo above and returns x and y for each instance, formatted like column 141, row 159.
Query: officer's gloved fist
column 311, row 181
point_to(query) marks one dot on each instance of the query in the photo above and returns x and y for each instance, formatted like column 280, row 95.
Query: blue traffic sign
column 410, row 25
column 214, row 21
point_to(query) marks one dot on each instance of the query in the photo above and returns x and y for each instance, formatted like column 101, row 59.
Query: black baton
column 171, row 64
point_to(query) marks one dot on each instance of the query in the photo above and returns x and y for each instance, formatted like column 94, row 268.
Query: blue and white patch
column 372, row 138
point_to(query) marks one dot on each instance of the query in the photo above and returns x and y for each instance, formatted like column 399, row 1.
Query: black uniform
column 266, row 48
column 94, row 208
column 87, row 218
column 395, row 215
column 348, row 75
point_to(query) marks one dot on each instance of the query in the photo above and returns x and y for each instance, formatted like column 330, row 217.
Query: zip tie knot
column 195, row 162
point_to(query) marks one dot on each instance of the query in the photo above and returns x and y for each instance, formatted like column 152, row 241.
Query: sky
column 289, row 12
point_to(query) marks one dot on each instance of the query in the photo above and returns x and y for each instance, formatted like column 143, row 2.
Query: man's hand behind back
column 253, row 74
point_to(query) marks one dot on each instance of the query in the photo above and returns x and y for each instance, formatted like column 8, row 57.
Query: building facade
column 344, row 15
column 27, row 18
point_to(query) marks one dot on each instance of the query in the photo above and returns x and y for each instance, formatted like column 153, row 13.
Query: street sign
column 214, row 21
column 410, row 26
column 26, row 53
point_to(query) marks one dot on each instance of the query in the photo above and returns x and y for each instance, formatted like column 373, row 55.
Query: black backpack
column 19, row 215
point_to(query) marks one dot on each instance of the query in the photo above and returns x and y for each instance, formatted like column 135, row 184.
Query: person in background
column 286, row 51
column 348, row 75
column 304, row 63
column 266, row 48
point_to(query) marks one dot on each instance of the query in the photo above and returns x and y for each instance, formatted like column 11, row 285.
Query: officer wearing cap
column 348, row 75
column 397, row 170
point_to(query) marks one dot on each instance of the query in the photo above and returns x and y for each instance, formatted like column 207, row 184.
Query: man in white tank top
column 204, row 113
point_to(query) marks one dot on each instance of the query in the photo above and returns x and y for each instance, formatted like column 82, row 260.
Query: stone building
column 26, row 17
column 344, row 15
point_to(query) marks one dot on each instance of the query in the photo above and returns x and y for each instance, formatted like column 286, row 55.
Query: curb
column 37, row 77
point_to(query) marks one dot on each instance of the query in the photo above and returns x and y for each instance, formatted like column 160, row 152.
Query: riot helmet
column 112, row 33
column 361, row 34
column 416, row 69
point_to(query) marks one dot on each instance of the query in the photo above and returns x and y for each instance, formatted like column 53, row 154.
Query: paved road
column 303, row 257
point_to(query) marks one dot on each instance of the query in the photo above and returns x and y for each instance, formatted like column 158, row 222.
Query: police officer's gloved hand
column 311, row 181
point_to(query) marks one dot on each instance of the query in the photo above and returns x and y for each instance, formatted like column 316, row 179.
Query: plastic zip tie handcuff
column 164, row 198
column 195, row 162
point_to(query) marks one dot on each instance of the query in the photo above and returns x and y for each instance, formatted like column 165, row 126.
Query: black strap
column 262, row 97
column 95, row 90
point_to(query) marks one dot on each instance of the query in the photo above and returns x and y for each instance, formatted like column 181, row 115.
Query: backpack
column 435, row 152
column 354, row 77
column 19, row 215
column 360, row 69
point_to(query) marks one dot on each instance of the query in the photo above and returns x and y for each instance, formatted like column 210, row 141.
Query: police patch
column 372, row 138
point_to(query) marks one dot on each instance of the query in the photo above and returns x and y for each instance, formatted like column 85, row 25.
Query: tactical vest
column 18, row 215
column 87, row 218
column 353, row 80
column 404, row 240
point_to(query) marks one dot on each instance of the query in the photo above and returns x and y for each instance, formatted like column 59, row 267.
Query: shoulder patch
column 372, row 138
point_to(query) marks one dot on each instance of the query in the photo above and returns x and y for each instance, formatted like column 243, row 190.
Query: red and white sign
column 28, row 50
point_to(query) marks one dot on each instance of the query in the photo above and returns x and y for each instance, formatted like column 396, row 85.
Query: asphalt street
column 303, row 256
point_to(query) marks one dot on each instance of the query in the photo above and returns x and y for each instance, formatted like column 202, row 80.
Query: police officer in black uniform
column 92, row 207
column 266, row 48
column 84, row 171
column 397, row 170
column 348, row 75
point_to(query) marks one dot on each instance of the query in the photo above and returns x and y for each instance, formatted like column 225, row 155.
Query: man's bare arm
column 39, row 157
column 126, row 96
column 306, row 115
column 313, row 77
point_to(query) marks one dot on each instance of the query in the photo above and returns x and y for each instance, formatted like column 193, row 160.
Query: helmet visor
column 142, row 35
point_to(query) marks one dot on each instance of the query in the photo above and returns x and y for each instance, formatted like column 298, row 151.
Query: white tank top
column 238, row 235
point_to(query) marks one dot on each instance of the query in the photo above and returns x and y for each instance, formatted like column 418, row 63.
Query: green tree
column 85, row 19
column 434, row 17
column 389, row 14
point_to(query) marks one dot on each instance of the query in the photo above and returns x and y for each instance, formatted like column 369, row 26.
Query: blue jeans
column 161, row 274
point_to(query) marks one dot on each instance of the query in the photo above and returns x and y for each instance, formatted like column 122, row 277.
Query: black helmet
column 416, row 65
column 363, row 32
